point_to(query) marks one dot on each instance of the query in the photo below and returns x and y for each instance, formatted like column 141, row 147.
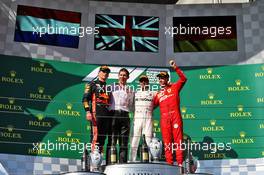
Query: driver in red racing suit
column 168, row 99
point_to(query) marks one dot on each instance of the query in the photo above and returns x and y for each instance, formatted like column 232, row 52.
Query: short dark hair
column 163, row 74
column 124, row 70
column 105, row 69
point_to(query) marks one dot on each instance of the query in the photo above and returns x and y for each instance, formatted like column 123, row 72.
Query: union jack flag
column 127, row 33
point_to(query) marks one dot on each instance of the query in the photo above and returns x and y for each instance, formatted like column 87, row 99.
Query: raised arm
column 180, row 73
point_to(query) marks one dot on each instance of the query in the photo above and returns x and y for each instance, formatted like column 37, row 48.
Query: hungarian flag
column 47, row 26
column 127, row 33
column 204, row 34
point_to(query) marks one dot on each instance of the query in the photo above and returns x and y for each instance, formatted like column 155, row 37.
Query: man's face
column 122, row 77
column 103, row 75
column 144, row 84
column 163, row 81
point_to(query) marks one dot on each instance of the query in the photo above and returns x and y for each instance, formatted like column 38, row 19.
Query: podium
column 145, row 169
column 142, row 168
column 137, row 169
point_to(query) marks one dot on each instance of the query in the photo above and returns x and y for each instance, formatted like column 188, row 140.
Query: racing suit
column 96, row 96
column 144, row 101
column 168, row 100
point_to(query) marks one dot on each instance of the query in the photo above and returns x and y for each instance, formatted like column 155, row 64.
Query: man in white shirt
column 144, row 103
column 121, row 103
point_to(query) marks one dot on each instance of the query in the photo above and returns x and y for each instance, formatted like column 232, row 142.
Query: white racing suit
column 142, row 120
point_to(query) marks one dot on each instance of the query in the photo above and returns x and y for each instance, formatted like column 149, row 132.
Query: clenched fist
column 89, row 116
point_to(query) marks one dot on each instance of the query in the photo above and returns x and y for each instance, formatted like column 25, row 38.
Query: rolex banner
column 41, row 111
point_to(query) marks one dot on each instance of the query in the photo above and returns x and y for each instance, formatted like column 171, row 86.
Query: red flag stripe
column 45, row 13
column 122, row 32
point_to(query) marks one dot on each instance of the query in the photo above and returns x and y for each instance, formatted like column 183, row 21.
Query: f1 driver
column 168, row 99
column 144, row 102
column 96, row 102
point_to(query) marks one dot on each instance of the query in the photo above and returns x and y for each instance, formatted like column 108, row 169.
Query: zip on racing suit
column 144, row 102
column 168, row 100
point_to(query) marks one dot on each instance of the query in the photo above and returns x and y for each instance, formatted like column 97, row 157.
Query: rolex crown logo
column 214, row 148
column 211, row 96
column 209, row 70
column 262, row 67
column 242, row 134
column 10, row 128
column 40, row 116
column 69, row 106
column 11, row 100
column 41, row 64
column 212, row 122
column 238, row 82
column 183, row 109
column 156, row 123
column 88, row 127
column 41, row 90
column 240, row 108
column 69, row 133
column 12, row 73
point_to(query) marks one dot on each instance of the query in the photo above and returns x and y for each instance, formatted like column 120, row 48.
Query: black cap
column 105, row 69
column 143, row 77
column 163, row 74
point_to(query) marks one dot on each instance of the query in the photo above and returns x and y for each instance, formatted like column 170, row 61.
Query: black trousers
column 120, row 131
column 104, row 126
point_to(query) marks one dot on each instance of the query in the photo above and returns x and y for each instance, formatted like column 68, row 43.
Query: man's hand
column 173, row 64
column 88, row 116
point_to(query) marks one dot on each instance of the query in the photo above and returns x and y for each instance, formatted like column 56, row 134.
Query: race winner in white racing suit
column 144, row 102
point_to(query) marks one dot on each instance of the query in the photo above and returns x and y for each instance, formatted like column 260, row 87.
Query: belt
column 169, row 112
column 102, row 104
column 120, row 111
column 143, row 111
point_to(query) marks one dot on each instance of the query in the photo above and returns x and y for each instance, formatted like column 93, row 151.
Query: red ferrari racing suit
column 168, row 100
